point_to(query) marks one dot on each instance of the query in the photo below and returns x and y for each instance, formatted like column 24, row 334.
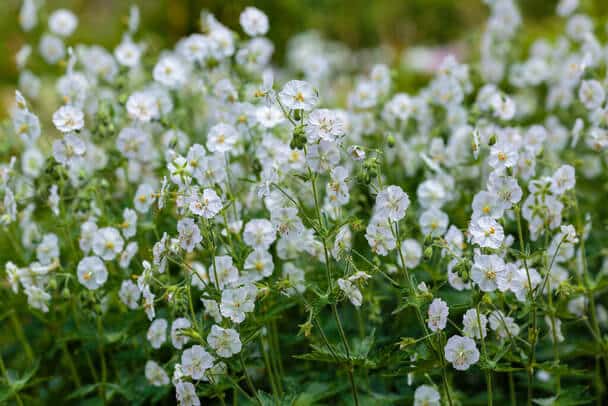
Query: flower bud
column 492, row 140
column 298, row 139
column 306, row 328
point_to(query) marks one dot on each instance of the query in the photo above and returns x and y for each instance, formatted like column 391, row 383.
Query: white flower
column 157, row 333
column 129, row 225
column 68, row 149
column 434, row 222
column 426, row 395
column 505, row 188
column 63, row 22
column 521, row 283
column 486, row 204
column 52, row 49
column 92, row 272
column 461, row 352
column 129, row 294
column 259, row 265
column 128, row 53
column 486, row 232
column 454, row 239
column 88, row 229
column 225, row 341
column 591, row 94
column 356, row 153
column 200, row 278
column 28, row 15
column 472, row 326
column 507, row 279
column 208, row 205
column 212, row 309
column 380, row 238
column 32, row 162
column 504, row 326
column 438, row 315
column 144, row 198
column 568, row 233
column 323, row 156
column 189, row 234
column 26, row 126
column 195, row 361
column 286, row 222
column 155, row 374
column 486, row 271
column 391, row 203
column 259, row 234
column 107, row 243
column 37, row 297
column 351, row 291
column 135, row 143
column 432, row 193
column 170, row 71
column 566, row 7
column 143, row 106
column 177, row 338
column 236, row 302
column 298, row 95
column 296, row 278
column 68, row 119
column 222, row 138
column 186, row 394
column 225, row 272
column 337, row 189
column 324, row 124
column 254, row 21
column 503, row 154
column 554, row 334
column 148, row 302
column 48, row 249
column 269, row 116
column 400, row 107
column 503, row 106
column 563, row 180
column 343, row 242
column 411, row 250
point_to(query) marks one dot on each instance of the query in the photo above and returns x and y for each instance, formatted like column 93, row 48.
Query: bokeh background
column 397, row 24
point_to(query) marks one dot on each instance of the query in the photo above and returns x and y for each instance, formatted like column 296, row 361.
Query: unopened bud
column 492, row 140
column 428, row 252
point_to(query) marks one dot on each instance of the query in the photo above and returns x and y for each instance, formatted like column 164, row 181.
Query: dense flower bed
column 197, row 223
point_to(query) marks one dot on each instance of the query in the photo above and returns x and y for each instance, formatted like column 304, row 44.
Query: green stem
column 271, row 376
column 275, row 355
column 485, row 354
column 8, row 381
column 330, row 289
column 21, row 337
column 512, row 390
column 71, row 365
column 532, row 322
column 248, row 379
column 102, row 357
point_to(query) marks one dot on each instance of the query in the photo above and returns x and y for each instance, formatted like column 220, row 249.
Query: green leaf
column 82, row 391
column 20, row 383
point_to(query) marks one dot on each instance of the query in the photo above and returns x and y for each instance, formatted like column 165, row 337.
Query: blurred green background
column 357, row 23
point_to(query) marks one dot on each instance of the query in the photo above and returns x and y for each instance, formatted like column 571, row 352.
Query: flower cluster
column 195, row 207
